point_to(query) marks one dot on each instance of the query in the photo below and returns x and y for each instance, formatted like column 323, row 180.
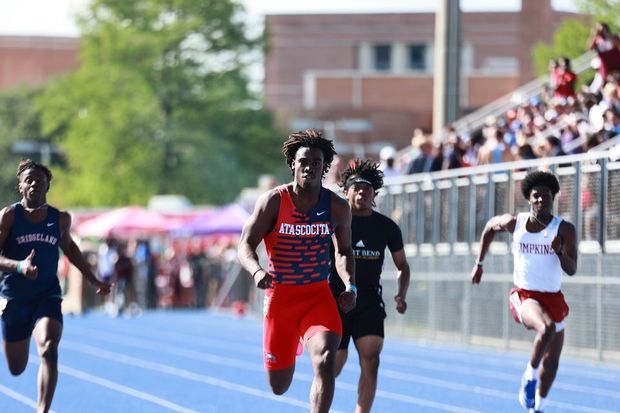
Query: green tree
column 20, row 121
column 569, row 40
column 160, row 104
column 607, row 11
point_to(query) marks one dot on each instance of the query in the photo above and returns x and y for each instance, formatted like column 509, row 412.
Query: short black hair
column 309, row 138
column 539, row 178
column 26, row 164
column 365, row 170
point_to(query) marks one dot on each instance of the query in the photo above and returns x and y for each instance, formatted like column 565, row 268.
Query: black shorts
column 365, row 320
column 19, row 316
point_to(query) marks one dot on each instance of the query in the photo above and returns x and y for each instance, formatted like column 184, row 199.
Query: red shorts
column 552, row 303
column 294, row 311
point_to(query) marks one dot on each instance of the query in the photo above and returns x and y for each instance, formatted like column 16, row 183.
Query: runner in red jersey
column 297, row 221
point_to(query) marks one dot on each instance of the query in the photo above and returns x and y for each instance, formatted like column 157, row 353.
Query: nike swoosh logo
column 49, row 224
column 318, row 214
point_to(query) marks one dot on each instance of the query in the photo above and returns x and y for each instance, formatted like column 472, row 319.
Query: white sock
column 531, row 373
column 540, row 402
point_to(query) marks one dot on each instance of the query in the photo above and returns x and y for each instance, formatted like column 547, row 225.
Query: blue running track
column 199, row 361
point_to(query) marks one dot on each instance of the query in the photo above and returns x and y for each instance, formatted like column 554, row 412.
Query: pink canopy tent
column 124, row 222
column 228, row 219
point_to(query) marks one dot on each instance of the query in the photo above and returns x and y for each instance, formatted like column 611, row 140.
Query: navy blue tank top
column 44, row 238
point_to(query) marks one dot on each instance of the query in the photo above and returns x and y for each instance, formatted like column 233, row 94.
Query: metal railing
column 447, row 210
column 442, row 216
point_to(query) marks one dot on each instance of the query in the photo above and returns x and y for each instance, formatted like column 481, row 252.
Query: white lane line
column 123, row 389
column 210, row 380
column 215, row 359
column 393, row 349
column 117, row 339
column 20, row 398
column 186, row 374
column 190, row 354
column 410, row 399
column 181, row 338
column 390, row 358
column 568, row 368
column 509, row 377
column 482, row 390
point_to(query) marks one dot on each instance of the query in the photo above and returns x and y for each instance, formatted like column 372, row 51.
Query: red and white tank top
column 298, row 246
column 536, row 266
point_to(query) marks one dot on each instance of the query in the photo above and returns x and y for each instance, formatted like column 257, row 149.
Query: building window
column 383, row 57
column 503, row 64
column 417, row 57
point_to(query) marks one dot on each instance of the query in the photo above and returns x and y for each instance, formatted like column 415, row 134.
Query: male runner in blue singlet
column 31, row 231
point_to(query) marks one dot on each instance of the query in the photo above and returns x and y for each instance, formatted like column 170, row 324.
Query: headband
column 357, row 180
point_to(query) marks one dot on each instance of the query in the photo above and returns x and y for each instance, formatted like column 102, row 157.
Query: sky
column 55, row 17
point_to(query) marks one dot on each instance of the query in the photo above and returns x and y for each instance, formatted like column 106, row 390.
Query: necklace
column 44, row 205
column 541, row 224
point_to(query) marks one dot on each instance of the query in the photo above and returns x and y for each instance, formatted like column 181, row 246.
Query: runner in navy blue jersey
column 31, row 233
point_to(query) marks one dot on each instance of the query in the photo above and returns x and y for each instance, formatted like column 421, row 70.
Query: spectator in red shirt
column 565, row 79
column 607, row 46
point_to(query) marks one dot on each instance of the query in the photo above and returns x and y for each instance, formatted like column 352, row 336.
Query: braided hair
column 309, row 138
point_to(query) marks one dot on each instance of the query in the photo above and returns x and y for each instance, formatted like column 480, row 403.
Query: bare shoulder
column 505, row 218
column 567, row 228
column 504, row 222
column 7, row 215
column 64, row 216
column 7, row 212
column 64, row 220
column 267, row 200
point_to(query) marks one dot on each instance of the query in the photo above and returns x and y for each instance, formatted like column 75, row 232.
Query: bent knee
column 549, row 329
column 279, row 387
column 370, row 362
column 280, row 380
column 325, row 362
column 17, row 368
column 48, row 350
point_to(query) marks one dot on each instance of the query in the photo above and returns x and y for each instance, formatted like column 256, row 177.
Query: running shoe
column 527, row 393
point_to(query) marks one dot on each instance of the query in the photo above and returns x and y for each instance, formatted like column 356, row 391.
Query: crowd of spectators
column 561, row 120
column 158, row 273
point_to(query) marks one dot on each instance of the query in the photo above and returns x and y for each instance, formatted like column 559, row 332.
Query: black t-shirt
column 370, row 236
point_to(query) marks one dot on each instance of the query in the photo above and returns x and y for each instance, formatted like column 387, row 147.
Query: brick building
column 35, row 59
column 379, row 67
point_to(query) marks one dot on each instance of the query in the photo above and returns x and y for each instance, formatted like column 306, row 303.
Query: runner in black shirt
column 372, row 232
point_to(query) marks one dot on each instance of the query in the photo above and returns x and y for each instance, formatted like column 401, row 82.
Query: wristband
column 479, row 263
column 254, row 273
column 352, row 288
column 20, row 267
